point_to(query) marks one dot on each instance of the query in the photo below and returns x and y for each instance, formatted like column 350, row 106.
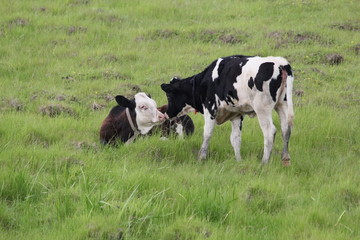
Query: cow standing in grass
column 235, row 86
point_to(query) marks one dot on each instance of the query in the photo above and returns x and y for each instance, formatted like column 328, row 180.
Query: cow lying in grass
column 232, row 87
column 131, row 118
column 179, row 126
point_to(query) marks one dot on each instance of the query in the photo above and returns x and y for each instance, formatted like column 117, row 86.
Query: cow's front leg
column 208, row 131
column 235, row 137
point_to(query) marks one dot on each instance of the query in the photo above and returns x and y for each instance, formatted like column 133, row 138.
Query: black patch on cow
column 288, row 70
column 229, row 100
column 205, row 87
column 223, row 86
column 275, row 84
column 124, row 102
column 265, row 72
column 251, row 83
column 241, row 122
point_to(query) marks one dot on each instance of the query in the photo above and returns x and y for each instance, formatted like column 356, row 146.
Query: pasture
column 61, row 64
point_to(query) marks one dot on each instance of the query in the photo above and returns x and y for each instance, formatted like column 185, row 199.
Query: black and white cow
column 130, row 118
column 180, row 126
column 235, row 86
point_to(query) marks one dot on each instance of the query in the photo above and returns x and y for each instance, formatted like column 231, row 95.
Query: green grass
column 64, row 57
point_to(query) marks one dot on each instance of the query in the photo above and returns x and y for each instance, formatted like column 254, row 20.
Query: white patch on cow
column 215, row 72
column 147, row 115
column 179, row 129
column 218, row 101
column 289, row 87
column 235, row 137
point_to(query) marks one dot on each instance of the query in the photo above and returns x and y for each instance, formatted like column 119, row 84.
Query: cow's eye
column 143, row 107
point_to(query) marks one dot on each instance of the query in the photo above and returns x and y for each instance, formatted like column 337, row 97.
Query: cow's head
column 180, row 97
column 147, row 114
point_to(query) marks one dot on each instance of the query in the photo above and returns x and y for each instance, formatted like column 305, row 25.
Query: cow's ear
column 124, row 102
column 167, row 87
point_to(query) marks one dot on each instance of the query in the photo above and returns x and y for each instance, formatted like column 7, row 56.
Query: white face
column 147, row 114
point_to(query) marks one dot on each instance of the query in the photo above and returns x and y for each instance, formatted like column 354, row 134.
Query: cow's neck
column 132, row 125
column 141, row 126
column 196, row 101
column 144, row 129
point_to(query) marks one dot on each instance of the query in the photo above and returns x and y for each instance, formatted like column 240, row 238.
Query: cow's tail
column 289, row 88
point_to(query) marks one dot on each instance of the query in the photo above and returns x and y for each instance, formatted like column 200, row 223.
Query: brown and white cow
column 130, row 118
column 235, row 86
column 133, row 117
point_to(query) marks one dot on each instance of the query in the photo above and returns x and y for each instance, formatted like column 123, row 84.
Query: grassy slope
column 57, row 183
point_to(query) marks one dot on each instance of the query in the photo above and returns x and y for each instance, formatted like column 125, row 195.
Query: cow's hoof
column 285, row 159
column 286, row 163
column 201, row 158
column 265, row 161
column 202, row 155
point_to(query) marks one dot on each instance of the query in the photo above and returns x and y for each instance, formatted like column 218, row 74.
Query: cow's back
column 111, row 126
column 263, row 76
column 237, row 79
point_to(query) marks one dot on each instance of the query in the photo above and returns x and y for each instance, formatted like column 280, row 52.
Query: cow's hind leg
column 282, row 111
column 208, row 130
column 269, row 131
column 235, row 137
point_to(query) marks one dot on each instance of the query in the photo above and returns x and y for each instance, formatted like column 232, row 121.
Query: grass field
column 61, row 63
